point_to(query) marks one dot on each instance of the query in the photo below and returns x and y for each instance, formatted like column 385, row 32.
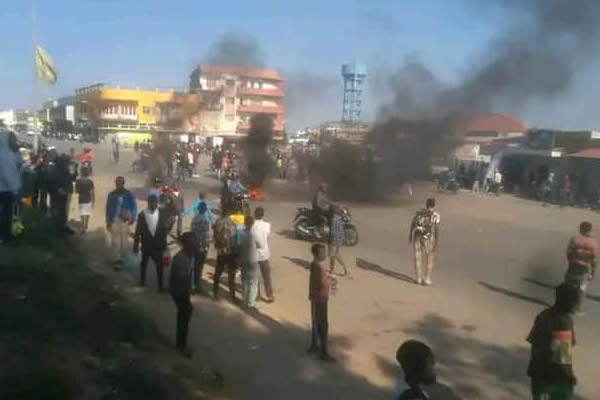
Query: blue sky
column 157, row 42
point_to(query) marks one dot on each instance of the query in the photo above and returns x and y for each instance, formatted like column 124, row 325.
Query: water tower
column 354, row 80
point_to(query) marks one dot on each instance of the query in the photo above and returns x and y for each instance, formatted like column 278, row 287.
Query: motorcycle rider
column 232, row 187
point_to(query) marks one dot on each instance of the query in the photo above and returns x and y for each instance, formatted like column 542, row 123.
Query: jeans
column 250, row 284
column 6, row 210
column 157, row 257
column 320, row 325
column 199, row 259
column 265, row 269
column 184, row 313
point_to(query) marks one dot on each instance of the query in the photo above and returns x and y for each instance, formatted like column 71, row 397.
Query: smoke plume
column 536, row 59
column 236, row 49
column 255, row 147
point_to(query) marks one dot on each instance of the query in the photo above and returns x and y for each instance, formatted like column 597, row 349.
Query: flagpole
column 34, row 90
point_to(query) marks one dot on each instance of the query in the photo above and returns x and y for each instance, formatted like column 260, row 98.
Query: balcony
column 119, row 117
column 246, row 91
column 256, row 109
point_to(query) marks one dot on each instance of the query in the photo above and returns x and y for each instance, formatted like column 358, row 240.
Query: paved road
column 497, row 260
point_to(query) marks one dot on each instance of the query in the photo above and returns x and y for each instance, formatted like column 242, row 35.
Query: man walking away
column 318, row 294
column 61, row 188
column 581, row 255
column 151, row 232
column 261, row 231
column 180, row 284
column 249, row 263
column 10, row 181
column 552, row 338
column 417, row 362
column 193, row 208
column 85, row 189
column 121, row 211
column 201, row 229
column 224, row 235
column 336, row 239
column 424, row 235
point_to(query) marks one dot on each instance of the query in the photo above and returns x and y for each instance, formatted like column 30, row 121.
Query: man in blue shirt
column 121, row 212
column 193, row 208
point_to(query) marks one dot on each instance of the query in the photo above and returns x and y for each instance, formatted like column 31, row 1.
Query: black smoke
column 536, row 58
column 256, row 145
column 236, row 49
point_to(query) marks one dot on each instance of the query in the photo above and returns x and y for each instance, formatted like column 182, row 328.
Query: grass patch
column 65, row 333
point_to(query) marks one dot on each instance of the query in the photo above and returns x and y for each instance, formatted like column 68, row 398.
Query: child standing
column 84, row 187
column 319, row 285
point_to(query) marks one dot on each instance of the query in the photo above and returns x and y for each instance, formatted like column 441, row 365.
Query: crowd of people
column 241, row 243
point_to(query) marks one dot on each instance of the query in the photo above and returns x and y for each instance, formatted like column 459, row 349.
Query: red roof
column 241, row 71
column 587, row 153
column 491, row 123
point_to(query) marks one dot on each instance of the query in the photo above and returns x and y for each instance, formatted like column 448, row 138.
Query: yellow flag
column 45, row 70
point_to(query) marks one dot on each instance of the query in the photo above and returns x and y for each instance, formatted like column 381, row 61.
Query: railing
column 246, row 91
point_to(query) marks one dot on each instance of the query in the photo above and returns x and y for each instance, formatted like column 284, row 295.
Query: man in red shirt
column 318, row 294
column 581, row 255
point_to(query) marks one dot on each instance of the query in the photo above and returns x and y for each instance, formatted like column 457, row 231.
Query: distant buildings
column 17, row 120
column 232, row 95
column 112, row 109
column 354, row 76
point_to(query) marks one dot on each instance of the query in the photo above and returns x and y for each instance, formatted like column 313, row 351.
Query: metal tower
column 354, row 77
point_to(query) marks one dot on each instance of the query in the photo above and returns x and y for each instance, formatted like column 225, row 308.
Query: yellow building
column 115, row 109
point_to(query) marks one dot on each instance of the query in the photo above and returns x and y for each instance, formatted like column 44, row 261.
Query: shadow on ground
column 246, row 345
column 369, row 266
column 514, row 295
column 298, row 261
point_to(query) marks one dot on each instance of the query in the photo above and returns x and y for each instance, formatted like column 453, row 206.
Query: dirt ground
column 497, row 261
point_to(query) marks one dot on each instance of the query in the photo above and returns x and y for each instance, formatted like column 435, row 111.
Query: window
column 230, row 100
column 146, row 110
column 229, row 117
column 230, row 83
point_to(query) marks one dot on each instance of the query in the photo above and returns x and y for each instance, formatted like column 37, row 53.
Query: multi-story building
column 58, row 115
column 17, row 120
column 354, row 76
column 231, row 95
column 114, row 109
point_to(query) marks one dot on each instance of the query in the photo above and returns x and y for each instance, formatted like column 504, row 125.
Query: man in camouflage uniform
column 424, row 235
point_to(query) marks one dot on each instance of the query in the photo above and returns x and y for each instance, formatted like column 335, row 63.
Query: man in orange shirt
column 581, row 255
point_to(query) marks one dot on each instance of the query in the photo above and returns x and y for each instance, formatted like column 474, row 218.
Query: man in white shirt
column 261, row 231
column 151, row 234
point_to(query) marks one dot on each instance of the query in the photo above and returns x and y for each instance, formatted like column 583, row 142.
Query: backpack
column 423, row 223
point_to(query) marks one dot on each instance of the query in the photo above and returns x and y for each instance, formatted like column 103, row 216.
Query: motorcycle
column 240, row 201
column 308, row 225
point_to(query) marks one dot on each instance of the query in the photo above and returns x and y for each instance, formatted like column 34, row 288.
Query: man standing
column 61, row 189
column 249, row 264
column 552, row 339
column 224, row 235
column 318, row 294
column 424, row 235
column 261, row 231
column 581, row 255
column 180, row 284
column 201, row 229
column 336, row 239
column 151, row 231
column 193, row 208
column 121, row 211
column 10, row 181
column 85, row 188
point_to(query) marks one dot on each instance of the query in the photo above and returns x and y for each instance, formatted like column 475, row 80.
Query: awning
column 587, row 153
